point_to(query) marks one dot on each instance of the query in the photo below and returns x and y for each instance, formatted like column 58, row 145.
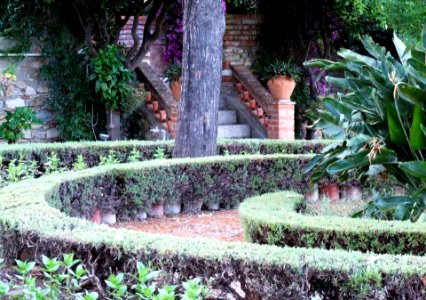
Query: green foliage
column 280, row 219
column 80, row 164
column 111, row 77
column 134, row 156
column 159, row 153
column 16, row 122
column 110, row 159
column 73, row 103
column 262, row 269
column 381, row 116
column 278, row 67
column 173, row 72
column 64, row 279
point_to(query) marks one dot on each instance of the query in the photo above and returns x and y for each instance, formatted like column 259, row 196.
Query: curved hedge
column 30, row 226
column 274, row 219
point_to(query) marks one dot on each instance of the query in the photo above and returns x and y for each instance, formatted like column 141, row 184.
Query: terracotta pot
column 157, row 116
column 148, row 97
column 155, row 106
column 330, row 191
column 254, row 112
column 245, row 96
column 247, row 104
column 226, row 65
column 239, row 87
column 194, row 205
column 165, row 126
column 163, row 115
column 252, row 104
column 172, row 209
column 150, row 106
column 96, row 217
column 281, row 87
column 262, row 121
column 312, row 196
column 169, row 125
column 213, row 206
column 157, row 210
column 109, row 218
column 352, row 193
column 175, row 88
column 260, row 112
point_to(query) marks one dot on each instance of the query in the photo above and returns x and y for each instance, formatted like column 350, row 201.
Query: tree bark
column 204, row 26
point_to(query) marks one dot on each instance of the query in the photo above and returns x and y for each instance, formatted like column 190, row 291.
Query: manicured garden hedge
column 29, row 227
column 278, row 219
column 91, row 151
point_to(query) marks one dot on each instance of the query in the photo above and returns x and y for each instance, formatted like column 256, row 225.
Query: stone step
column 227, row 117
column 238, row 131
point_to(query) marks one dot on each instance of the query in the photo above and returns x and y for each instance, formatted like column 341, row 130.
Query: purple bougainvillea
column 174, row 33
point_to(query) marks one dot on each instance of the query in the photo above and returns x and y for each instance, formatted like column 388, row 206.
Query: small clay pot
column 172, row 209
column 193, row 205
column 155, row 106
column 175, row 88
column 313, row 195
column 260, row 112
column 245, row 96
column 252, row 104
column 148, row 97
column 239, row 87
column 254, row 112
column 157, row 210
column 150, row 106
column 330, row 191
column 226, row 65
column 169, row 125
column 262, row 121
column 247, row 104
column 157, row 116
column 163, row 115
column 96, row 216
column 213, row 206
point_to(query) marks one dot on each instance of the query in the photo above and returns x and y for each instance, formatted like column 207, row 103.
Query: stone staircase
column 228, row 126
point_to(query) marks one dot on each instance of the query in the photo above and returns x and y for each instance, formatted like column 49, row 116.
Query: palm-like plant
column 381, row 118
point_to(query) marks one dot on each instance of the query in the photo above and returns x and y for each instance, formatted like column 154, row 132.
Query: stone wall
column 28, row 90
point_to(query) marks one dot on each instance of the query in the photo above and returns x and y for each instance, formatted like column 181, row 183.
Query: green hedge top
column 91, row 151
column 274, row 219
column 269, row 271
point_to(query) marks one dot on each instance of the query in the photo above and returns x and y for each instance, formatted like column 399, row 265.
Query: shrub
column 16, row 122
column 263, row 271
column 381, row 116
column 278, row 219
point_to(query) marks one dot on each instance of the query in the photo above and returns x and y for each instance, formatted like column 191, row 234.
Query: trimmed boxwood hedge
column 29, row 226
column 278, row 219
column 68, row 152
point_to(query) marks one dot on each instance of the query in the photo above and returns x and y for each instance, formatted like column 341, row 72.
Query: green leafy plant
column 174, row 72
column 80, row 164
column 279, row 67
column 111, row 77
column 159, row 153
column 16, row 122
column 134, row 156
column 53, row 163
column 64, row 279
column 381, row 117
column 17, row 170
column 111, row 159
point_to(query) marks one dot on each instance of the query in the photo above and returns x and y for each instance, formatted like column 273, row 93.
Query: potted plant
column 281, row 78
column 173, row 74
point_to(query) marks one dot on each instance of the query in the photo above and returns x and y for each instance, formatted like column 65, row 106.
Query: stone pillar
column 113, row 125
column 281, row 122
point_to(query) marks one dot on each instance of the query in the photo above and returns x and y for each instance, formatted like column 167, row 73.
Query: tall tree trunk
column 204, row 26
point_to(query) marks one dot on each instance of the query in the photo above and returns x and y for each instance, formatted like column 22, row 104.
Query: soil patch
column 224, row 225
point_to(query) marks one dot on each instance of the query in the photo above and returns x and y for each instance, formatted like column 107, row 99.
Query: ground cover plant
column 67, row 278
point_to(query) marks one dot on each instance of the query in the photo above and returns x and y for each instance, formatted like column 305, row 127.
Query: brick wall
column 239, row 45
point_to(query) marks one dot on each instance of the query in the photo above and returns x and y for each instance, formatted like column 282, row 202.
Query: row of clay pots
column 157, row 210
column 251, row 104
column 160, row 114
column 333, row 192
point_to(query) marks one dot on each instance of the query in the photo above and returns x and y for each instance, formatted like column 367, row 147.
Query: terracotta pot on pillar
column 281, row 87
column 175, row 88
column 330, row 191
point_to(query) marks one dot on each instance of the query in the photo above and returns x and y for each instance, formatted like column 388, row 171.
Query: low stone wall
column 28, row 90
